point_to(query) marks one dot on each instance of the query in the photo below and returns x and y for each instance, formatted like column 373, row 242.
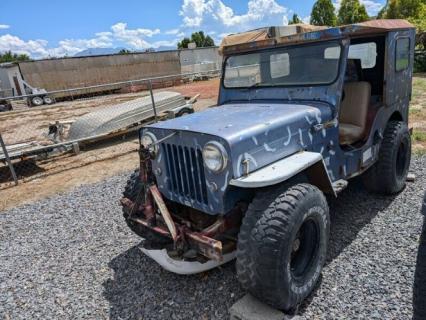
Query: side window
column 366, row 52
column 280, row 65
column 402, row 54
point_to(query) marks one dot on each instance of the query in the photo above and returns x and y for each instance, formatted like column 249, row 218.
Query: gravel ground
column 72, row 256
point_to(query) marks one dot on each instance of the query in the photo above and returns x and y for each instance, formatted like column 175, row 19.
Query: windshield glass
column 302, row 65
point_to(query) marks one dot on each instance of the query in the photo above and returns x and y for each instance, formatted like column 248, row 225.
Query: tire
column 133, row 187
column 48, row 100
column 36, row 101
column 282, row 244
column 419, row 289
column 388, row 175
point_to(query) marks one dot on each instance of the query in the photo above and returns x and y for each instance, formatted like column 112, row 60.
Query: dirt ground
column 51, row 176
column 47, row 177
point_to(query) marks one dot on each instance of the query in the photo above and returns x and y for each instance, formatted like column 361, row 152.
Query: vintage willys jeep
column 300, row 112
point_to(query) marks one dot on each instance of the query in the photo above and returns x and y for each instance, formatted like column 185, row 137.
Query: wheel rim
column 37, row 101
column 48, row 100
column 304, row 250
column 401, row 159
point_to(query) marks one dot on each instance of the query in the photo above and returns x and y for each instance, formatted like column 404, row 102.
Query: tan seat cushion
column 353, row 111
column 349, row 133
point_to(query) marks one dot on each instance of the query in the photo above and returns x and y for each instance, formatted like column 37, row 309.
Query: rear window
column 402, row 54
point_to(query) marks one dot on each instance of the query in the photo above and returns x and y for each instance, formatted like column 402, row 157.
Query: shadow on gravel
column 141, row 289
column 349, row 213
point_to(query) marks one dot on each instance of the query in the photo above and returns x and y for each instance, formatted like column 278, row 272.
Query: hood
column 232, row 121
column 261, row 133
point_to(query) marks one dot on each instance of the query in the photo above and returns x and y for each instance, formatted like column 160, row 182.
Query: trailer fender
column 311, row 163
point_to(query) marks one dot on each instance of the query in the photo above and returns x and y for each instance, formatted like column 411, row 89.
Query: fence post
column 9, row 162
column 152, row 100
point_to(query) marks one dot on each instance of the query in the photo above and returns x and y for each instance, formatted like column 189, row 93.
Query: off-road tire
column 266, row 240
column 388, row 175
column 419, row 289
column 133, row 187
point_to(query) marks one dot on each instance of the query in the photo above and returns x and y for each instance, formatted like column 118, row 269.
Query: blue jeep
column 300, row 112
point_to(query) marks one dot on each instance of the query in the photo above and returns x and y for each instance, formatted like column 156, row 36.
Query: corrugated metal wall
column 57, row 74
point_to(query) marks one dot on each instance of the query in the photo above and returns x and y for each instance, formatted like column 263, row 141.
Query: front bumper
column 179, row 231
column 184, row 267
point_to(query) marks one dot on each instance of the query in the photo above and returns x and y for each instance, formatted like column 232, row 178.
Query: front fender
column 310, row 162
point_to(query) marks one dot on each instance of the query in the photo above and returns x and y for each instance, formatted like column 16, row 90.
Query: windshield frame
column 339, row 63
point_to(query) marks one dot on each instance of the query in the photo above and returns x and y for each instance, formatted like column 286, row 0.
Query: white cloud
column 172, row 31
column 15, row 44
column 119, row 35
column 196, row 15
column 306, row 19
column 371, row 6
column 217, row 16
column 4, row 26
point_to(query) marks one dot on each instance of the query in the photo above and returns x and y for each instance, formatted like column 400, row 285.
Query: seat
column 353, row 111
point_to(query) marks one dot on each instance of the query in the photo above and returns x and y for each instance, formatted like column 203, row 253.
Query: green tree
column 124, row 51
column 200, row 39
column 8, row 56
column 323, row 14
column 351, row 11
column 184, row 43
column 403, row 9
column 295, row 19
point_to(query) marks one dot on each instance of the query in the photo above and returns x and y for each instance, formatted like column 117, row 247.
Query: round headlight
column 148, row 141
column 215, row 156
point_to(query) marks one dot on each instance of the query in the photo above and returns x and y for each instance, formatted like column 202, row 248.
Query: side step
column 339, row 185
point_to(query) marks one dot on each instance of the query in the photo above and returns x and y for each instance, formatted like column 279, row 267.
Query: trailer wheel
column 48, row 100
column 36, row 101
column 389, row 173
column 133, row 187
column 282, row 244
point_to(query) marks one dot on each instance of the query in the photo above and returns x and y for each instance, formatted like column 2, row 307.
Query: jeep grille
column 185, row 170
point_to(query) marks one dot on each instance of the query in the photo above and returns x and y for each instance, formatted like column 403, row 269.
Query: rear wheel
column 389, row 173
column 133, row 188
column 282, row 244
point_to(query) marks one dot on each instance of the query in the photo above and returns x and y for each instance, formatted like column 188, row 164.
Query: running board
column 339, row 185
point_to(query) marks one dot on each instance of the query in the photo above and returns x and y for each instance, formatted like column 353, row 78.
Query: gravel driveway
column 72, row 256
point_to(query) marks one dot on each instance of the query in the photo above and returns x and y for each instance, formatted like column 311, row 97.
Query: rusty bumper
column 181, row 235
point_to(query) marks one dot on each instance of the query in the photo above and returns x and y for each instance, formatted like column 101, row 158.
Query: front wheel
column 134, row 187
column 389, row 173
column 282, row 244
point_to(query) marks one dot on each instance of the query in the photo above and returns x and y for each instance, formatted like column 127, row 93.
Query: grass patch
column 414, row 111
column 419, row 136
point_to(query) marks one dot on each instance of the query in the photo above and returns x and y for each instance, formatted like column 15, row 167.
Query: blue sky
column 55, row 28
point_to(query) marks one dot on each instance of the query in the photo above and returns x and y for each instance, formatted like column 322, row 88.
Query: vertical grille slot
column 185, row 172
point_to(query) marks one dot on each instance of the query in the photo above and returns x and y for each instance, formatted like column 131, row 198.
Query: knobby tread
column 266, row 224
column 132, row 189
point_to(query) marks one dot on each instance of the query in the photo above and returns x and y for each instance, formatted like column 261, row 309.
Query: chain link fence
column 74, row 127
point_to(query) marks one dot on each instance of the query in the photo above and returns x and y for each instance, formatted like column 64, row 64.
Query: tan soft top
column 297, row 33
